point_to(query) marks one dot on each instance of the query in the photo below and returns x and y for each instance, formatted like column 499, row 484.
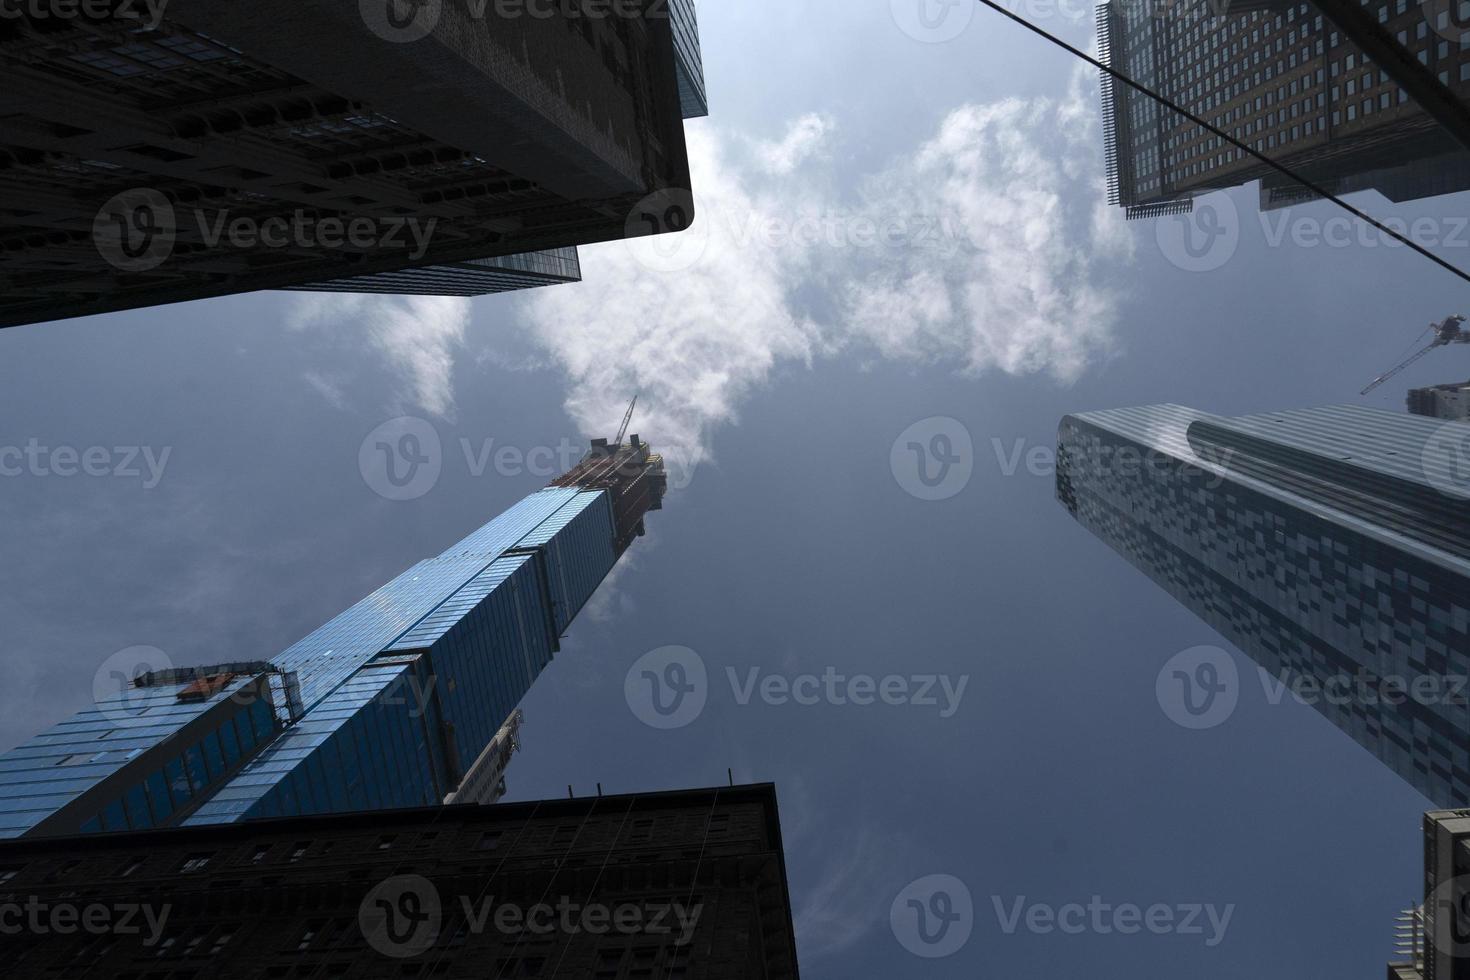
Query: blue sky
column 779, row 353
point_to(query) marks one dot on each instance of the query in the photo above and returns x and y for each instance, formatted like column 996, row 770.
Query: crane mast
column 627, row 417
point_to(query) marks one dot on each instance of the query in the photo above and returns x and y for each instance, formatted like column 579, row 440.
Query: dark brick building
column 678, row 886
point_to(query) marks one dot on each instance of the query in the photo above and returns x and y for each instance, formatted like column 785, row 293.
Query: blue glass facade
column 398, row 695
column 688, row 61
column 1330, row 545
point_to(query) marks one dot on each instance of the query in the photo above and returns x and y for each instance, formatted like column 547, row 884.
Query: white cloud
column 984, row 248
column 419, row 337
column 802, row 139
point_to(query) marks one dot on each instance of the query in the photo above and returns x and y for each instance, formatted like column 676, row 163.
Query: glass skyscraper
column 688, row 61
column 500, row 274
column 1330, row 544
column 472, row 277
column 393, row 703
column 1282, row 80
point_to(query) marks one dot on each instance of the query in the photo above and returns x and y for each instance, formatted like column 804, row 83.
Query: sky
column 901, row 235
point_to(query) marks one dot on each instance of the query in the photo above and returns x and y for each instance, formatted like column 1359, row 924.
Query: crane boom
column 627, row 417
column 1447, row 332
column 1395, row 370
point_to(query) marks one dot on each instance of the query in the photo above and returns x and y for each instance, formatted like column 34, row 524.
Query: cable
column 1320, row 191
column 694, row 878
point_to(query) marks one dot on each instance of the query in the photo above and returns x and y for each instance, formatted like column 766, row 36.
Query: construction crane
column 628, row 417
column 1448, row 332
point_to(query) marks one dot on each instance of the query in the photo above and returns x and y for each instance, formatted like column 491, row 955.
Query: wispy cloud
column 419, row 337
column 804, row 138
column 858, row 869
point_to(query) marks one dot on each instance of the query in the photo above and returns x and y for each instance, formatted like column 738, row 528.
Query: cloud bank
column 985, row 248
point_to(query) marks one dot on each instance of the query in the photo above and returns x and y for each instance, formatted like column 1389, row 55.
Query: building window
column 194, row 862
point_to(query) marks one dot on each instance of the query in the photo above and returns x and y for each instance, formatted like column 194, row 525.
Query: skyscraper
column 662, row 886
column 1281, row 80
column 393, row 703
column 1330, row 545
column 473, row 277
column 688, row 59
column 222, row 148
column 479, row 277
